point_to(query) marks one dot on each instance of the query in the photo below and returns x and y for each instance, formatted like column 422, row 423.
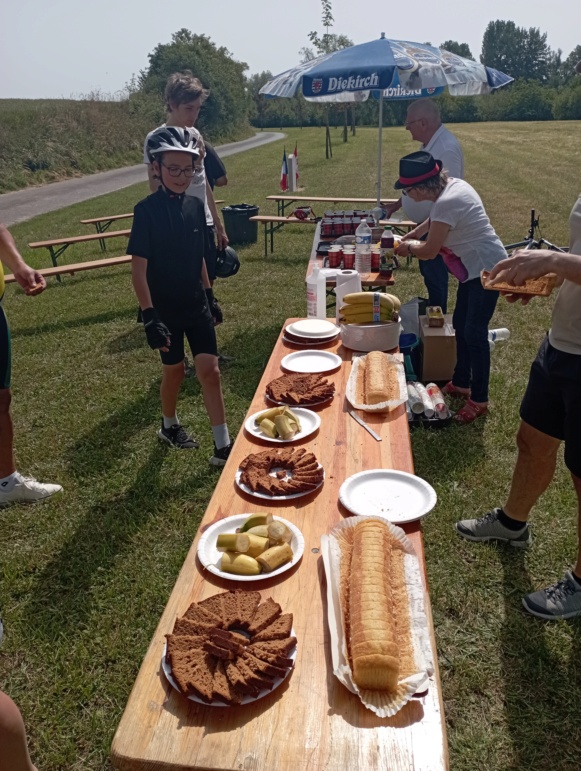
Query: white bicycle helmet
column 171, row 138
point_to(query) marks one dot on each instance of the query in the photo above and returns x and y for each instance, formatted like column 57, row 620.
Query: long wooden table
column 282, row 201
column 311, row 721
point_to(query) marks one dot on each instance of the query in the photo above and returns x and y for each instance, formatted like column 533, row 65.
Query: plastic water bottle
column 363, row 248
column 316, row 294
column 494, row 335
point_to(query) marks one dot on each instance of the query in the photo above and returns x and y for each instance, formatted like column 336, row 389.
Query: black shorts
column 552, row 401
column 201, row 337
column 211, row 251
column 5, row 351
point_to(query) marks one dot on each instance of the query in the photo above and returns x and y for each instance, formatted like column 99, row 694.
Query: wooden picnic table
column 311, row 721
column 103, row 224
column 282, row 201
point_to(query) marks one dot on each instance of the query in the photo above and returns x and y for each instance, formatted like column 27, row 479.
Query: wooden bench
column 77, row 267
column 282, row 201
column 103, row 224
column 57, row 246
column 273, row 222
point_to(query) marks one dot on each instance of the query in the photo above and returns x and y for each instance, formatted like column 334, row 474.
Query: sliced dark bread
column 183, row 626
column 183, row 666
column 261, row 651
column 216, row 650
column 182, row 643
column 260, row 667
column 223, row 689
column 247, row 604
column 196, row 614
column 215, row 604
column 278, row 630
column 266, row 613
column 238, row 681
column 229, row 640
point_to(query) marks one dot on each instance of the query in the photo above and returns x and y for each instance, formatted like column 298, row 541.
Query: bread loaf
column 376, row 378
column 372, row 639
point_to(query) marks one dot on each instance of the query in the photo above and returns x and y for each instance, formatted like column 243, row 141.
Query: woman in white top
column 459, row 230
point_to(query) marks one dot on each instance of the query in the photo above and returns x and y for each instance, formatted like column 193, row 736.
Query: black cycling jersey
column 213, row 165
column 169, row 231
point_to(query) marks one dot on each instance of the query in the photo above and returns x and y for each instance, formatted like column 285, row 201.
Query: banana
column 239, row 564
column 239, row 542
column 292, row 417
column 362, row 318
column 361, row 310
column 278, row 533
column 268, row 427
column 256, row 519
column 284, row 428
column 366, row 298
column 260, row 530
column 257, row 546
column 274, row 557
column 269, row 414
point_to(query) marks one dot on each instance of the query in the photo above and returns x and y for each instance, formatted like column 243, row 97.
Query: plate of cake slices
column 211, row 557
column 394, row 495
column 280, row 474
column 230, row 649
column 298, row 389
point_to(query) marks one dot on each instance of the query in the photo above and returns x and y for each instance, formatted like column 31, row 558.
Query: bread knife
column 364, row 424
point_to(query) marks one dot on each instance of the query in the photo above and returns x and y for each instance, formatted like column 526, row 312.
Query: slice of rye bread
column 220, row 653
column 183, row 626
column 262, row 667
column 247, row 603
column 229, row 640
column 195, row 613
column 265, row 614
column 201, row 678
column 254, row 678
column 281, row 647
column 183, row 665
column 260, row 650
column 182, row 643
column 238, row 681
column 231, row 610
column 278, row 630
column 223, row 690
column 215, row 604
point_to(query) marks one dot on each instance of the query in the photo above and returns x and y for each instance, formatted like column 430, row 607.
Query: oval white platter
column 313, row 328
column 245, row 700
column 210, row 557
column 266, row 497
column 311, row 362
column 394, row 495
column 310, row 422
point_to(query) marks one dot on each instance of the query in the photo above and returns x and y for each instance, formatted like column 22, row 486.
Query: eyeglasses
column 175, row 171
column 406, row 190
column 410, row 122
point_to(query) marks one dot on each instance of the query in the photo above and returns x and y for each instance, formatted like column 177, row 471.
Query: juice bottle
column 386, row 245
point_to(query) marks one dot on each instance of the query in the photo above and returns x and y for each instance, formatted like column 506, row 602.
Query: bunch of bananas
column 358, row 307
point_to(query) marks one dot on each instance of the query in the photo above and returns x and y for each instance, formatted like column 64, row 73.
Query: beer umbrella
column 388, row 69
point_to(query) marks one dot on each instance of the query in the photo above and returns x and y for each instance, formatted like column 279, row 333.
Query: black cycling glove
column 215, row 309
column 155, row 330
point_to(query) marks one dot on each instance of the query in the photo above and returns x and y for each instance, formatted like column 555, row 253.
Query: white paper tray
column 351, row 389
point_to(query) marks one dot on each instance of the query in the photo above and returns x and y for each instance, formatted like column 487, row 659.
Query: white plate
column 310, row 343
column 245, row 699
column 266, row 497
column 210, row 557
column 310, row 422
column 311, row 362
column 394, row 495
column 313, row 328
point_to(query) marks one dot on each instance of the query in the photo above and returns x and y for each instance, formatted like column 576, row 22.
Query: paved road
column 25, row 204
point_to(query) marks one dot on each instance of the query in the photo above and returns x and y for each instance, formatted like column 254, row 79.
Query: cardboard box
column 438, row 347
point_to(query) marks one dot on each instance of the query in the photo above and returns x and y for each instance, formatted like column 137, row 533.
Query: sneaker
column 561, row 600
column 224, row 359
column 177, row 437
column 28, row 490
column 489, row 528
column 221, row 455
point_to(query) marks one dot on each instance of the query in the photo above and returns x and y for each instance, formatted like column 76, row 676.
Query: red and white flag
column 284, row 173
column 297, row 164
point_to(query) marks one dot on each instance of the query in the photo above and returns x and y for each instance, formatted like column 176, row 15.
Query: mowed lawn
column 85, row 577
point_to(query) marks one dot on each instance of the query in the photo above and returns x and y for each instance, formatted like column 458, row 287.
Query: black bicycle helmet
column 171, row 138
column 227, row 263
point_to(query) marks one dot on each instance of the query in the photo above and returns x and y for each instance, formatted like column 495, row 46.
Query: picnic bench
column 273, row 222
column 77, row 267
column 283, row 201
column 57, row 246
column 311, row 722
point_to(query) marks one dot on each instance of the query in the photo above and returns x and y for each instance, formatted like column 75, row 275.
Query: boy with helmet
column 168, row 243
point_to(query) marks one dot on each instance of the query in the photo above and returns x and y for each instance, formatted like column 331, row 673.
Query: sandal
column 450, row 390
column 469, row 412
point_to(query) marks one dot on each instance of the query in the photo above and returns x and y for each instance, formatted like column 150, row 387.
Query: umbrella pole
column 379, row 152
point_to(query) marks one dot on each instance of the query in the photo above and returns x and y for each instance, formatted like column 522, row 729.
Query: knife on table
column 364, row 424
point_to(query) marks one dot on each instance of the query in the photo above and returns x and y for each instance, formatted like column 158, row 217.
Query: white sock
column 169, row 422
column 7, row 483
column 221, row 436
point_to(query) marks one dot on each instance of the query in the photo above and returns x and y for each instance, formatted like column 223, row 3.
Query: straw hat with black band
column 414, row 170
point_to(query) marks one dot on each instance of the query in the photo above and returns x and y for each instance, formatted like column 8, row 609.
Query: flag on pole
column 297, row 165
column 284, row 173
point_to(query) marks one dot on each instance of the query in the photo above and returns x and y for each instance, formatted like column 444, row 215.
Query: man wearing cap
column 424, row 124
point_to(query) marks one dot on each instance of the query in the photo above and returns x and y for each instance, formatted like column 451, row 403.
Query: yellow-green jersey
column 1, row 280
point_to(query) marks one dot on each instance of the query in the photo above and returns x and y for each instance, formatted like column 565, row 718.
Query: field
column 85, row 577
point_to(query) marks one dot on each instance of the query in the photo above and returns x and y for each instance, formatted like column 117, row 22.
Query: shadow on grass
column 446, row 453
column 541, row 690
column 74, row 323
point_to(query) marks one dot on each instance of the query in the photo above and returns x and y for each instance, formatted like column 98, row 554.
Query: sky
column 67, row 48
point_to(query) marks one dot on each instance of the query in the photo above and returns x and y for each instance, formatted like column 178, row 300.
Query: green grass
column 85, row 577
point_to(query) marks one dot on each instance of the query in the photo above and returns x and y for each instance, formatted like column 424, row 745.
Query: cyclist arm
column 220, row 232
column 29, row 279
column 534, row 263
